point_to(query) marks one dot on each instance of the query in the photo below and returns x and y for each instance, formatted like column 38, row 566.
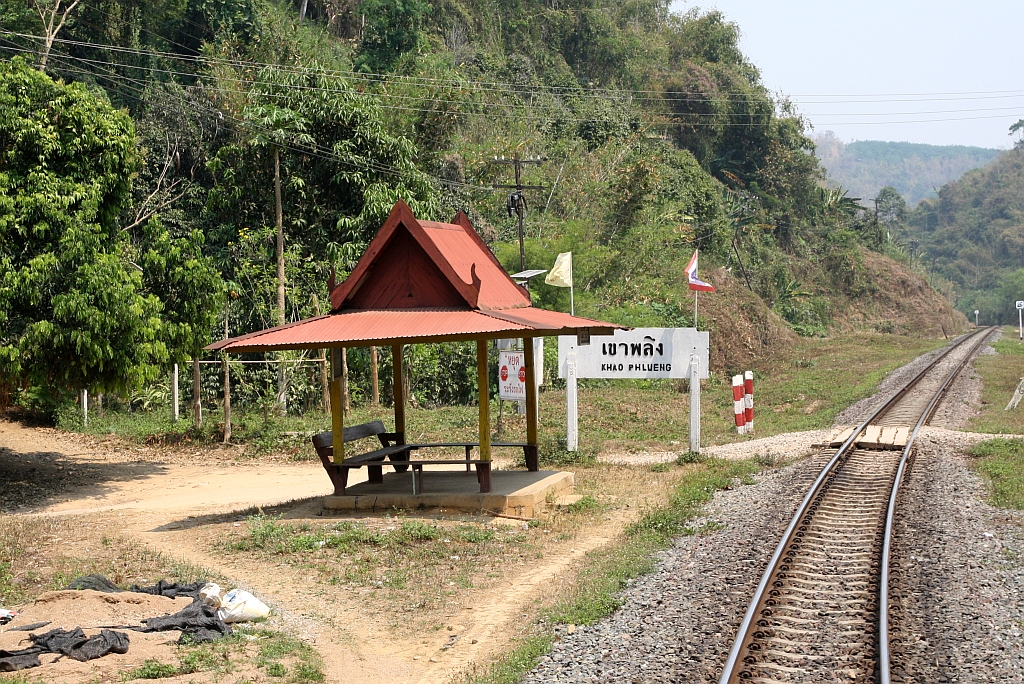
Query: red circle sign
column 504, row 373
column 522, row 374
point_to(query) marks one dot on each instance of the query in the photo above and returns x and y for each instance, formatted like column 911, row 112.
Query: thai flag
column 691, row 276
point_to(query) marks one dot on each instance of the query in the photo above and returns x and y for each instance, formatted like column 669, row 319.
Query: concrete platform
column 513, row 492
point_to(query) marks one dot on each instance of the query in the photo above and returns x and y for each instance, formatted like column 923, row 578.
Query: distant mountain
column 864, row 167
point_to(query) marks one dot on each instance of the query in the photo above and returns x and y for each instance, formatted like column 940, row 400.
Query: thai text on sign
column 639, row 353
column 511, row 376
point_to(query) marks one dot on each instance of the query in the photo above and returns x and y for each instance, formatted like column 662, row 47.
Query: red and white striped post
column 748, row 401
column 739, row 404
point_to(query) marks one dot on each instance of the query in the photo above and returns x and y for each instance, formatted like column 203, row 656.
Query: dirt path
column 179, row 502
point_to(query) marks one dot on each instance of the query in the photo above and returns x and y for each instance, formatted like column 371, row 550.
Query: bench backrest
column 326, row 439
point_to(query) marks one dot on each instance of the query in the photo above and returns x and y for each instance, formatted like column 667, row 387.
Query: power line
column 669, row 119
column 597, row 93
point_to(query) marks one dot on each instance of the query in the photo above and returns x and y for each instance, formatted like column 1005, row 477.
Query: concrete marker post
column 694, row 404
column 748, row 401
column 739, row 405
column 85, row 408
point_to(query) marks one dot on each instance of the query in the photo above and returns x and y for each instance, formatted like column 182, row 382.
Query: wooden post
column 337, row 407
column 398, row 390
column 227, row 388
column 484, row 399
column 483, row 470
column 174, row 393
column 531, row 450
column 373, row 376
column 227, row 400
column 344, row 380
column 197, row 394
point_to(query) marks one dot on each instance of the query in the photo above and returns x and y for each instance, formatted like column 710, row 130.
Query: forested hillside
column 864, row 167
column 973, row 234
column 200, row 144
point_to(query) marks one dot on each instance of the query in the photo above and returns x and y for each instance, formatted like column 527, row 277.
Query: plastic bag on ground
column 241, row 606
column 210, row 595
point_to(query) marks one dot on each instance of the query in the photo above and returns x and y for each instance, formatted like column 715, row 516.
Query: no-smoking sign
column 512, row 376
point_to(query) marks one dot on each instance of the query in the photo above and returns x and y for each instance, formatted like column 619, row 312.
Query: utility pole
column 516, row 201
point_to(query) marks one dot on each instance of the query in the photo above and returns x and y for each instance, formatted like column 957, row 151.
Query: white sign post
column 572, row 429
column 695, row 367
column 1020, row 317
column 975, row 318
column 641, row 353
column 511, row 376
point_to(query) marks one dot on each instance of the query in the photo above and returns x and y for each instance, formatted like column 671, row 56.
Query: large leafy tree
column 85, row 303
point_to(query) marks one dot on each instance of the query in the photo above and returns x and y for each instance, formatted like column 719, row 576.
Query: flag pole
column 572, row 290
column 695, row 294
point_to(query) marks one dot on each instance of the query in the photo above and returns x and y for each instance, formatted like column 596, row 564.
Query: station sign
column 640, row 353
column 511, row 375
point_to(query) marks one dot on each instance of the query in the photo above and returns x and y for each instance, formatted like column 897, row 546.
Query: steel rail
column 884, row 670
column 744, row 633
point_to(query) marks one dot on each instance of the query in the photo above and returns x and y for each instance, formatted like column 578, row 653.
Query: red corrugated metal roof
column 425, row 267
column 362, row 328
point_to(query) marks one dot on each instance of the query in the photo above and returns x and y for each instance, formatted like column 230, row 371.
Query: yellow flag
column 560, row 274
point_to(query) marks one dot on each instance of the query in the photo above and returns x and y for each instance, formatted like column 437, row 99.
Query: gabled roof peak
column 413, row 264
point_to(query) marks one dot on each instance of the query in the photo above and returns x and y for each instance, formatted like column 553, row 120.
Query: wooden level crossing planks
column 875, row 437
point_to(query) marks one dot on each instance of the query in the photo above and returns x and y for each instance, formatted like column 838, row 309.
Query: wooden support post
column 337, row 407
column 374, row 384
column 398, row 389
column 484, row 398
column 197, row 394
column 344, row 380
column 325, row 381
column 532, row 453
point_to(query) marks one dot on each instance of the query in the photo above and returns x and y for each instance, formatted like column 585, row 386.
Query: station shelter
column 420, row 282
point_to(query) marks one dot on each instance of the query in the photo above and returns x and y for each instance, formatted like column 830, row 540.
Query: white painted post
column 174, row 393
column 694, row 404
column 85, row 408
column 572, row 432
column 1020, row 320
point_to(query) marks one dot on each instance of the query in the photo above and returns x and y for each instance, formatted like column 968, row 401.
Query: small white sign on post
column 511, row 376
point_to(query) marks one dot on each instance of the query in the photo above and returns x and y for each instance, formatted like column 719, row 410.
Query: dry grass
column 1000, row 374
column 45, row 554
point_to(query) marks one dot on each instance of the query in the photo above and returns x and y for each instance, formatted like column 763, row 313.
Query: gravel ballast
column 959, row 581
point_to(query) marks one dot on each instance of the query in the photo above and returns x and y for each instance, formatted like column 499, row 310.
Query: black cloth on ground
column 198, row 622
column 12, row 661
column 96, row 583
column 74, row 644
column 161, row 588
column 171, row 589
column 71, row 643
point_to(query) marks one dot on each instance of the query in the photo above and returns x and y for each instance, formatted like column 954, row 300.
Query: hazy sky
column 936, row 56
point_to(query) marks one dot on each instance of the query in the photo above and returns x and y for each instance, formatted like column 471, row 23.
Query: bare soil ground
column 132, row 512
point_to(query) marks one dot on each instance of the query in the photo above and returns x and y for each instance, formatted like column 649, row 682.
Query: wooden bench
column 398, row 457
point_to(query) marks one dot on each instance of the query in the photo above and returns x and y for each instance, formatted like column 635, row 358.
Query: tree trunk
column 302, row 10
column 282, row 383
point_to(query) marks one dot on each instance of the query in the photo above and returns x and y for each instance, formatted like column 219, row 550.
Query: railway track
column 821, row 610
